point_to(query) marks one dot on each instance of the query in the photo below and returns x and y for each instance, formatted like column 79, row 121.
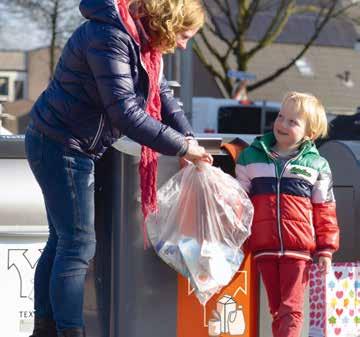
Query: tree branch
column 221, row 76
column 250, row 14
column 211, row 48
column 215, row 33
column 275, row 28
column 225, row 10
column 204, row 61
column 281, row 70
column 214, row 22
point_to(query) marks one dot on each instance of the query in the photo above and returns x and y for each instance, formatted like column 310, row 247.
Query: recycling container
column 130, row 291
column 23, row 233
column 344, row 159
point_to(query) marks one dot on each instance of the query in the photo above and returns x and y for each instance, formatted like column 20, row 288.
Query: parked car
column 221, row 115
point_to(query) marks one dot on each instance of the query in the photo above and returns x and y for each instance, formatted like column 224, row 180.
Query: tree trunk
column 52, row 49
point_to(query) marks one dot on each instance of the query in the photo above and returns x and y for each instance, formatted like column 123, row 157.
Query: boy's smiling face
column 289, row 127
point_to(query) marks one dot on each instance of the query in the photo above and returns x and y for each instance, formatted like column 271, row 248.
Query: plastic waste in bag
column 203, row 218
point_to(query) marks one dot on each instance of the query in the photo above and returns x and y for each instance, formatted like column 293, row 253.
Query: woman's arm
column 109, row 61
column 171, row 112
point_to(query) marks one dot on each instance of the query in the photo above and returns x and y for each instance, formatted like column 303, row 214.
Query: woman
column 108, row 82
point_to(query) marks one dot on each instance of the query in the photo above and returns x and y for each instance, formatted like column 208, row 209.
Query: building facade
column 23, row 77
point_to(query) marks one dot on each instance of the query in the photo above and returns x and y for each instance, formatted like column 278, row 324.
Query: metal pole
column 1, row 117
column 186, row 80
column 178, row 67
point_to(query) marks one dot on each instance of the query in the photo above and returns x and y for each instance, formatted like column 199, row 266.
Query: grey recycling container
column 130, row 292
column 23, row 233
column 344, row 160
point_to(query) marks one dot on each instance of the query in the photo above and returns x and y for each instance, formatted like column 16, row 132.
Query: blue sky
column 16, row 33
column 18, row 39
column 19, row 34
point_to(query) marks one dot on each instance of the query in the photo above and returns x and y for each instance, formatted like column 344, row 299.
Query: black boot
column 74, row 332
column 44, row 327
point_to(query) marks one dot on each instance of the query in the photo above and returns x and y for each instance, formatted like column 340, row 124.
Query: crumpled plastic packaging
column 203, row 218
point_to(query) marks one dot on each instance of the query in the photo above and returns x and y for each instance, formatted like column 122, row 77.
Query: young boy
column 290, row 186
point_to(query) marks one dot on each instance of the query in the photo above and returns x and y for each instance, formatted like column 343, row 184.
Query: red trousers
column 285, row 280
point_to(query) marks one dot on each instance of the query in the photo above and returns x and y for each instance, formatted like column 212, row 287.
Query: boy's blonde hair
column 166, row 18
column 313, row 110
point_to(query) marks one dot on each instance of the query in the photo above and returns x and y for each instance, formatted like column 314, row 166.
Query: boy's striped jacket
column 295, row 213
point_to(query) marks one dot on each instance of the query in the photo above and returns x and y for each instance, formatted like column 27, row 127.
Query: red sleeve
column 326, row 228
column 324, row 213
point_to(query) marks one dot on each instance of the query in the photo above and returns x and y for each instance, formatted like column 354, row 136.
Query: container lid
column 128, row 146
column 211, row 144
column 12, row 146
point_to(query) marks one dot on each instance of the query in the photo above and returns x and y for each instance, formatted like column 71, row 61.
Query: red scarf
column 151, row 58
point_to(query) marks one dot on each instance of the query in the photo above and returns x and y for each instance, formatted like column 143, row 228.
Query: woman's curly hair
column 164, row 19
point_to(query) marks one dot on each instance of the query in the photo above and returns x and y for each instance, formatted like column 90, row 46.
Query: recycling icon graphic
column 23, row 262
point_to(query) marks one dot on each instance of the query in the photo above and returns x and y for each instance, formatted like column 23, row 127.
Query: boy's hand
column 325, row 264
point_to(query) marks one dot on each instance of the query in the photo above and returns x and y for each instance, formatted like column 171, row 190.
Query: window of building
column 19, row 89
column 304, row 67
column 4, row 86
column 346, row 79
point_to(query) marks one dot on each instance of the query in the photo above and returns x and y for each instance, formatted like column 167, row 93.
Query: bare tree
column 57, row 18
column 229, row 21
column 353, row 14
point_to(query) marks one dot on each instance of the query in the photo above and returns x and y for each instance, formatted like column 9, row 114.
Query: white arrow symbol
column 23, row 260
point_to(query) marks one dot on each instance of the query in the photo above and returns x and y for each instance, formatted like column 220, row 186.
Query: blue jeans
column 66, row 178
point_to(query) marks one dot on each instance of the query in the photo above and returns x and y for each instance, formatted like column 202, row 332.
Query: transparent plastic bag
column 203, row 218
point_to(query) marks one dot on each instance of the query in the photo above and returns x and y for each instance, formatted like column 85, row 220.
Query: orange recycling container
column 231, row 312
column 234, row 310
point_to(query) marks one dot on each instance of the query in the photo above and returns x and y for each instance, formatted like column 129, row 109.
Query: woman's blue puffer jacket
column 100, row 88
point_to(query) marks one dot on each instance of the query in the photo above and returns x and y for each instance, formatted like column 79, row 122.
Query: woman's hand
column 196, row 153
column 324, row 264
